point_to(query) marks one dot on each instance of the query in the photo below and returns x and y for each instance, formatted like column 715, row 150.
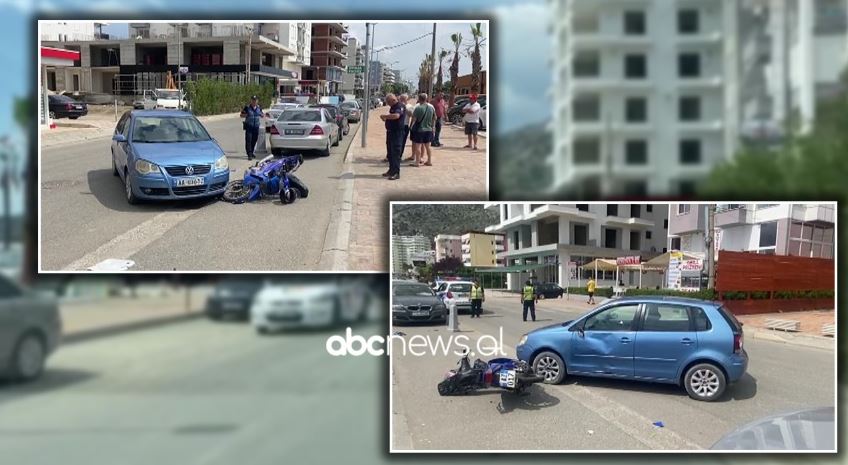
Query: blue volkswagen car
column 689, row 342
column 166, row 155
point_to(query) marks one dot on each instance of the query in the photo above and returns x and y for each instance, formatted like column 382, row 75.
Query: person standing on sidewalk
column 252, row 115
column 422, row 129
column 528, row 299
column 590, row 289
column 477, row 298
column 471, row 110
column 395, row 124
column 440, row 115
column 408, row 108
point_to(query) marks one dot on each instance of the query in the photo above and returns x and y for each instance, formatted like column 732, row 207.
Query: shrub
column 599, row 291
column 214, row 97
column 734, row 295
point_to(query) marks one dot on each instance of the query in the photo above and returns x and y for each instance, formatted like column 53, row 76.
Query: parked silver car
column 274, row 112
column 30, row 328
column 304, row 129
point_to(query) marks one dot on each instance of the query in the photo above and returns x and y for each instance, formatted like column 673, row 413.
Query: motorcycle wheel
column 236, row 192
column 288, row 196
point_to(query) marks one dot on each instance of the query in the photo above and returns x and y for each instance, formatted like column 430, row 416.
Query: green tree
column 22, row 111
column 439, row 84
column 454, row 67
column 476, row 62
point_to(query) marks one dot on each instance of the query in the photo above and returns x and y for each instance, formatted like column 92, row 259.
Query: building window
column 634, row 22
column 636, row 109
column 635, row 211
column 768, row 234
column 610, row 238
column 647, row 234
column 675, row 243
column 586, row 23
column 635, row 240
column 636, row 188
column 636, row 152
column 683, row 208
column 649, row 208
column 583, row 207
column 689, row 108
column 612, row 210
column 635, row 66
column 665, row 249
column 688, row 22
column 689, row 65
column 580, row 234
column 587, row 63
column 665, row 223
column 690, row 151
column 587, row 151
column 686, row 188
column 807, row 240
column 587, row 107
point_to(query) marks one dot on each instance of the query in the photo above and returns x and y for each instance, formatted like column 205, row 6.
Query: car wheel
column 28, row 358
column 52, row 115
column 326, row 151
column 73, row 117
column 541, row 296
column 705, row 382
column 131, row 198
column 338, row 139
column 549, row 366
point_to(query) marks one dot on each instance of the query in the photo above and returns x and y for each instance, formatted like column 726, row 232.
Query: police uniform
column 528, row 297
column 476, row 300
column 252, row 122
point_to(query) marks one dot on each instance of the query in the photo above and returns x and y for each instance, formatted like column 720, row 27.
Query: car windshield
column 164, row 129
column 168, row 94
column 409, row 290
column 330, row 110
column 281, row 106
column 464, row 287
column 350, row 105
column 300, row 115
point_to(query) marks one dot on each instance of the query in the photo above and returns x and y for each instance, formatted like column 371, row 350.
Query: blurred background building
column 448, row 246
column 324, row 74
column 649, row 95
column 481, row 249
column 404, row 248
column 353, row 83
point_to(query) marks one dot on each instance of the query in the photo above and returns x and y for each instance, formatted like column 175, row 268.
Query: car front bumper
column 432, row 316
column 291, row 316
column 163, row 186
column 220, row 306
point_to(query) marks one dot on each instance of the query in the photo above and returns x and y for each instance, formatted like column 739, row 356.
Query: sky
column 519, row 49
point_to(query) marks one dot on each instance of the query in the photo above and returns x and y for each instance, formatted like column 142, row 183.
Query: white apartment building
column 297, row 37
column 353, row 83
column 798, row 229
column 650, row 94
column 404, row 248
column 388, row 76
column 448, row 246
column 63, row 31
column 559, row 234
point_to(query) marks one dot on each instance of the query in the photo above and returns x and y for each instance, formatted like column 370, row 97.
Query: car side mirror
column 119, row 138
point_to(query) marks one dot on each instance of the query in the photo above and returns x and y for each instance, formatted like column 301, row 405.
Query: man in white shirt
column 471, row 117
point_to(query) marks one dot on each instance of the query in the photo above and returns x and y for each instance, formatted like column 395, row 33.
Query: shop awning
column 602, row 264
column 661, row 261
column 513, row 268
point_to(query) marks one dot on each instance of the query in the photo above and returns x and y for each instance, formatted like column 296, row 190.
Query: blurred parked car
column 455, row 114
column 274, row 112
column 146, row 102
column 548, row 290
column 695, row 344
column 304, row 129
column 337, row 114
column 802, row 430
column 414, row 302
column 457, row 293
column 351, row 110
column 91, row 98
column 167, row 155
column 62, row 106
column 30, row 329
column 233, row 297
column 289, row 302
column 484, row 115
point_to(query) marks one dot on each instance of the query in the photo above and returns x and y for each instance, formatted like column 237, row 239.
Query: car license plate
column 507, row 379
column 421, row 313
column 186, row 182
column 294, row 132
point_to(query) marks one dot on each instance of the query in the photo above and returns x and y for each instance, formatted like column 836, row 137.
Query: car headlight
column 523, row 340
column 221, row 164
column 398, row 308
column 145, row 167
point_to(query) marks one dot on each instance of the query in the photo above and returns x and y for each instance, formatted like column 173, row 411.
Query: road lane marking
column 134, row 240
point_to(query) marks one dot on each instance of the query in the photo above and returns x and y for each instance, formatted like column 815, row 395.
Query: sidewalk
column 88, row 319
column 94, row 126
column 810, row 330
column 456, row 174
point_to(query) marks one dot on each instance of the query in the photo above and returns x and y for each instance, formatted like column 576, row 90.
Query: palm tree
column 476, row 65
column 454, row 67
column 425, row 74
column 442, row 55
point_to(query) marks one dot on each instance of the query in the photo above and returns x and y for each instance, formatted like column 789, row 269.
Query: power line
column 389, row 47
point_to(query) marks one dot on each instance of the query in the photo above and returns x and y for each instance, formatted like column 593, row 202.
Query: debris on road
column 659, row 424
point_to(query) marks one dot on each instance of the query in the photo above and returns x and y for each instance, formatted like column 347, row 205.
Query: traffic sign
column 355, row 69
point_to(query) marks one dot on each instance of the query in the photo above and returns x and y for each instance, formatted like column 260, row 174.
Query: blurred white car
column 457, row 293
column 289, row 303
column 484, row 114
column 274, row 112
column 305, row 129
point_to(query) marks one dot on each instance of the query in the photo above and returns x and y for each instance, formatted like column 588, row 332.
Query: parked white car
column 290, row 303
column 274, row 112
column 484, row 116
column 304, row 129
column 457, row 293
column 170, row 99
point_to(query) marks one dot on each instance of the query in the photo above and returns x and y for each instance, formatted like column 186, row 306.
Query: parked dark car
column 338, row 115
column 416, row 302
column 352, row 111
column 62, row 106
column 455, row 113
column 232, row 298
column 30, row 328
column 549, row 291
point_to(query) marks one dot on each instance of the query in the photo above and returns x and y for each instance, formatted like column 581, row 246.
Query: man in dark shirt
column 395, row 131
column 252, row 115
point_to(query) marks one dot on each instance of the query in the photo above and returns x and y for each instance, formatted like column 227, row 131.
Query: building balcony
column 733, row 217
column 595, row 41
column 714, row 82
column 600, row 128
column 633, row 223
column 611, row 84
column 704, row 38
column 700, row 126
column 545, row 211
column 819, row 214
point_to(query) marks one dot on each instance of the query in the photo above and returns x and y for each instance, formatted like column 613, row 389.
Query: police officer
column 528, row 298
column 252, row 115
column 477, row 298
column 395, row 124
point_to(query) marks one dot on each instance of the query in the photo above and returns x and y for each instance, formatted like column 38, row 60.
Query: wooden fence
column 748, row 282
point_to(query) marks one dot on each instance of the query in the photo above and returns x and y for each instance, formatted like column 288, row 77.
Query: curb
column 817, row 342
column 337, row 239
column 122, row 328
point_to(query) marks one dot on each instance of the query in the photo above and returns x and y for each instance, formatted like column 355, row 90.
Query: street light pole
column 710, row 246
column 248, row 54
column 367, row 84
column 432, row 62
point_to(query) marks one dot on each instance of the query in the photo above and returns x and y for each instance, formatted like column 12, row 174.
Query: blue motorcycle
column 271, row 176
column 504, row 373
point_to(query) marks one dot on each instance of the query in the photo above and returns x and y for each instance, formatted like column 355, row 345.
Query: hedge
column 214, row 97
column 704, row 294
column 599, row 291
column 710, row 294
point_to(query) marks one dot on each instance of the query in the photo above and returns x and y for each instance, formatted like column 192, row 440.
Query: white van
column 170, row 99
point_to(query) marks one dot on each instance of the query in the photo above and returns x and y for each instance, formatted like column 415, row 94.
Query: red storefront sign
column 633, row 260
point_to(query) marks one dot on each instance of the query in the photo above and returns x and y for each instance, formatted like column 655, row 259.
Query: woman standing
column 422, row 130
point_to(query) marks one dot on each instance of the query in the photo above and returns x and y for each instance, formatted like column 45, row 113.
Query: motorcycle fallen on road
column 504, row 373
column 270, row 176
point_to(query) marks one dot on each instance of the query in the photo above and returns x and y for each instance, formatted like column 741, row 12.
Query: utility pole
column 432, row 63
column 710, row 243
column 249, row 53
column 7, row 204
column 367, row 83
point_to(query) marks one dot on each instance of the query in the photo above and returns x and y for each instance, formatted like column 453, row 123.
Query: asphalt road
column 589, row 413
column 85, row 218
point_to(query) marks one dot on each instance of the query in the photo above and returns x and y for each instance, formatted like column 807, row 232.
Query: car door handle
column 687, row 341
column 625, row 340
